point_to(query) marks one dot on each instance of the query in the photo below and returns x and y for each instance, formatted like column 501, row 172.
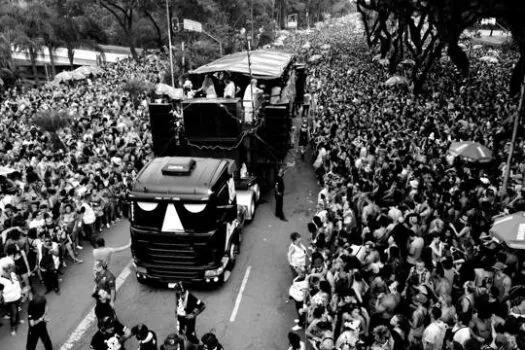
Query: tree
column 136, row 88
column 124, row 12
column 74, row 29
column 52, row 122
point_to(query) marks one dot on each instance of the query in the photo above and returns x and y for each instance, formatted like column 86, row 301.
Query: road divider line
column 239, row 296
column 90, row 318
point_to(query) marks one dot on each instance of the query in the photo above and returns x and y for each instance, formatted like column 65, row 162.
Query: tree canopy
column 423, row 29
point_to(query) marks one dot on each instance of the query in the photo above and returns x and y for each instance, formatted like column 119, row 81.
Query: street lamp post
column 169, row 39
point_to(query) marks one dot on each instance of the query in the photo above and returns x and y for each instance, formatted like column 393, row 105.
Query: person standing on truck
column 249, row 101
column 230, row 90
column 187, row 308
column 279, row 194
column 208, row 88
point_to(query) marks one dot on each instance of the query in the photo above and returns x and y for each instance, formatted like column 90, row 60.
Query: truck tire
column 252, row 208
column 233, row 252
column 257, row 190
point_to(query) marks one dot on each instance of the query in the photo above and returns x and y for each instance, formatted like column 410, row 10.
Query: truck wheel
column 234, row 250
column 252, row 208
column 257, row 190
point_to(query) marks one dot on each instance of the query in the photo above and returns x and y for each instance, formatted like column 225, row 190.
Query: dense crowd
column 399, row 254
column 58, row 190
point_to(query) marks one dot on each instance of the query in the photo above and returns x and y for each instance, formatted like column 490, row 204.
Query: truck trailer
column 190, row 203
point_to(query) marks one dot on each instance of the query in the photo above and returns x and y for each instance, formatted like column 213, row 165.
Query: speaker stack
column 162, row 129
column 300, row 70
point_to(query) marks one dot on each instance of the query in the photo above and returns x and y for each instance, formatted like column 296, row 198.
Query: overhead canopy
column 265, row 64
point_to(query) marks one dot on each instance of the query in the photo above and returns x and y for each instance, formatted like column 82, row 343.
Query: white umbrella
column 314, row 58
column 408, row 62
column 89, row 70
column 63, row 76
column 306, row 46
column 489, row 59
column 382, row 61
column 6, row 171
column 396, row 80
column 164, row 89
column 77, row 76
column 477, row 47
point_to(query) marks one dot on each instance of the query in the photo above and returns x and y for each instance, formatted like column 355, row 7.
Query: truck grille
column 172, row 261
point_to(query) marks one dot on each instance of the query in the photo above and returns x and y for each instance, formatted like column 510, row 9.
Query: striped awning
column 265, row 64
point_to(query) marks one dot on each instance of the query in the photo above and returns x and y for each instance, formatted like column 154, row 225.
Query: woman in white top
column 208, row 87
column 297, row 254
column 249, row 101
column 12, row 291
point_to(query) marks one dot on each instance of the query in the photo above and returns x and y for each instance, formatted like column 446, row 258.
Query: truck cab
column 185, row 221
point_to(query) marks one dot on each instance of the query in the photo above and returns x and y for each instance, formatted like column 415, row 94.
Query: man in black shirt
column 279, row 194
column 37, row 329
column 103, row 307
column 187, row 308
column 146, row 338
column 110, row 331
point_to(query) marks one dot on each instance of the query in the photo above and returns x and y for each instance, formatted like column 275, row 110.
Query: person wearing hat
column 146, row 338
column 111, row 335
column 502, row 281
column 173, row 342
column 187, row 308
column 210, row 342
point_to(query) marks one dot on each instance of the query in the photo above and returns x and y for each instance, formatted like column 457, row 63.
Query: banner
column 292, row 21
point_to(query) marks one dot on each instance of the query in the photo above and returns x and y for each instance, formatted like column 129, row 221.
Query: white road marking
column 90, row 318
column 239, row 296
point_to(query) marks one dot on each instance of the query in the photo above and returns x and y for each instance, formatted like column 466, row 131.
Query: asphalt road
column 264, row 315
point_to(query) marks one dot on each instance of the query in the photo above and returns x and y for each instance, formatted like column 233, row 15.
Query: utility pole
column 251, row 9
column 169, row 39
column 513, row 141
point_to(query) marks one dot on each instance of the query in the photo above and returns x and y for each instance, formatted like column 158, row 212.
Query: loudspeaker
column 300, row 70
column 215, row 120
column 276, row 128
column 162, row 123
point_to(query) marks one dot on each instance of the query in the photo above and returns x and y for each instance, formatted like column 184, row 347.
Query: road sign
column 488, row 21
column 193, row 26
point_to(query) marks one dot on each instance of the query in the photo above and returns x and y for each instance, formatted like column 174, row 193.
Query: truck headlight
column 219, row 271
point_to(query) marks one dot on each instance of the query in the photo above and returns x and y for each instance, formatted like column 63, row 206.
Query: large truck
column 189, row 204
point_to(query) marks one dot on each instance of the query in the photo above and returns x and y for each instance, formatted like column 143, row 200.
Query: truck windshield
column 173, row 216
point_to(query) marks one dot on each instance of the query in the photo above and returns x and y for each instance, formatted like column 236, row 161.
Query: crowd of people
column 399, row 254
column 59, row 190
